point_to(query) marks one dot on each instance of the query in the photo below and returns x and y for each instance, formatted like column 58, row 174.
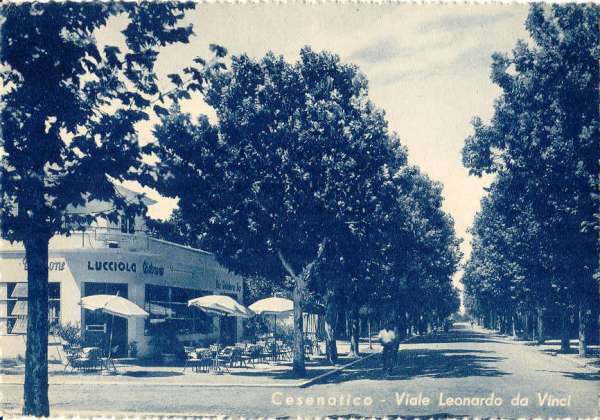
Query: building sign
column 226, row 285
column 126, row 267
column 155, row 270
column 53, row 265
column 121, row 266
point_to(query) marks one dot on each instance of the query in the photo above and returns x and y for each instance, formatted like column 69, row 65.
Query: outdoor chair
column 284, row 352
column 191, row 359
column 265, row 352
column 200, row 360
column 225, row 358
column 271, row 351
column 71, row 350
column 254, row 353
column 246, row 359
column 206, row 360
column 114, row 350
column 87, row 359
column 239, row 359
column 307, row 348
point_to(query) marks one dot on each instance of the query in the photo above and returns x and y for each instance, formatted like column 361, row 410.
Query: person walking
column 387, row 337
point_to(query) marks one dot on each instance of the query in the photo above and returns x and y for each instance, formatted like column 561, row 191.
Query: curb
column 92, row 414
column 163, row 384
column 302, row 384
column 334, row 371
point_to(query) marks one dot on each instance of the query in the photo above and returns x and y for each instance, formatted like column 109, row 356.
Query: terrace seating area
column 217, row 359
column 86, row 359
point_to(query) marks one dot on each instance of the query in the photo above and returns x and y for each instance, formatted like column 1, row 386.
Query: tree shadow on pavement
column 581, row 376
column 455, row 336
column 443, row 363
column 151, row 374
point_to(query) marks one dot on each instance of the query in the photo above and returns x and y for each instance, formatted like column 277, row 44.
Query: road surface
column 460, row 373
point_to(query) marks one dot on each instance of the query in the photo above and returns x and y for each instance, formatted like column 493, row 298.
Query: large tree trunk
column 300, row 280
column 540, row 326
column 298, row 296
column 513, row 325
column 35, row 397
column 565, row 331
column 396, row 344
column 330, row 325
column 526, row 330
column 582, row 331
column 354, row 332
column 531, row 319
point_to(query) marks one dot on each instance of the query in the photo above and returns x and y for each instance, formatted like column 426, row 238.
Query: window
column 13, row 306
column 54, row 303
column 169, row 305
column 128, row 223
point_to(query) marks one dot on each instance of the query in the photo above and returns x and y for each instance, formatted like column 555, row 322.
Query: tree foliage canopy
column 534, row 239
column 70, row 108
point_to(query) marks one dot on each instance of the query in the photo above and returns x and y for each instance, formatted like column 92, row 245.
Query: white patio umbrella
column 273, row 306
column 114, row 305
column 221, row 305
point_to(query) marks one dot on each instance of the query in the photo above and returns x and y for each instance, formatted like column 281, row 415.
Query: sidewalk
column 552, row 348
column 277, row 374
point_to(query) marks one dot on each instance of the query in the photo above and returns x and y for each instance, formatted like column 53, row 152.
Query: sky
column 428, row 67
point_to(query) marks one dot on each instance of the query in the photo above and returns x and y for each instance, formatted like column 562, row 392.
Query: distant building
column 109, row 258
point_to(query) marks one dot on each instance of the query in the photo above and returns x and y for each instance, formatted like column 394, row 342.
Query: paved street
column 461, row 373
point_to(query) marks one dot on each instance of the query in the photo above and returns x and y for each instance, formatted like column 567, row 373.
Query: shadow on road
column 152, row 374
column 580, row 376
column 426, row 363
column 432, row 362
column 458, row 334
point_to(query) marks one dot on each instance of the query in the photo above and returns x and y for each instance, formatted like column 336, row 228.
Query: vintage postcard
column 299, row 210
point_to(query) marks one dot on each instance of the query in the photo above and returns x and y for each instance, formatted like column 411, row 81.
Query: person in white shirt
column 387, row 337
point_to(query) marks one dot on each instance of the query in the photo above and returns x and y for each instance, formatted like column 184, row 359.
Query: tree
column 544, row 137
column 68, row 131
column 282, row 170
column 174, row 230
column 418, row 251
column 507, row 271
column 432, row 252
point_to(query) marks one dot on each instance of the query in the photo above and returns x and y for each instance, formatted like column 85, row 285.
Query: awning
column 159, row 310
column 20, row 326
column 20, row 291
column 20, row 308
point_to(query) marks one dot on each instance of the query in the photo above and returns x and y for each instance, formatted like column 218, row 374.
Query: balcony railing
column 97, row 238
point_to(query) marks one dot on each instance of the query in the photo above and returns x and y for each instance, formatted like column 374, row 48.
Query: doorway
column 228, row 330
column 99, row 326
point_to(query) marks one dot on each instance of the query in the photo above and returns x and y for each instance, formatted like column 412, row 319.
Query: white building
column 122, row 258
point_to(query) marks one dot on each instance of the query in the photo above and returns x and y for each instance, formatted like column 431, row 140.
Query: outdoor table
column 216, row 363
column 108, row 364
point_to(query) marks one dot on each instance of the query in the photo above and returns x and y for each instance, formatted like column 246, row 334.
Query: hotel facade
column 119, row 258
